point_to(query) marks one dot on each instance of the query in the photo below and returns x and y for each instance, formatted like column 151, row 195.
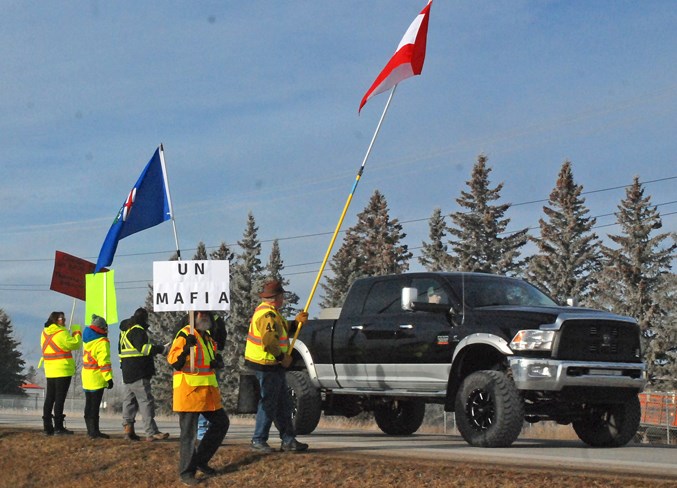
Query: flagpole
column 169, row 199
column 343, row 214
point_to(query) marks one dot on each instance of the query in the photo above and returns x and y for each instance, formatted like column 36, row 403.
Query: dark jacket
column 136, row 368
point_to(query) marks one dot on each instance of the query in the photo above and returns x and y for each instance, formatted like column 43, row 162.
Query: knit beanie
column 99, row 322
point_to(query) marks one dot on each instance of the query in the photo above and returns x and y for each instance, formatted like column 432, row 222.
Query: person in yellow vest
column 57, row 342
column 97, row 373
column 196, row 392
column 266, row 354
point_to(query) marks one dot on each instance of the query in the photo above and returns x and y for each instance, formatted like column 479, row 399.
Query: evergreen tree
column 636, row 279
column 569, row 252
column 12, row 364
column 373, row 247
column 273, row 271
column 478, row 245
column 346, row 266
column 434, row 255
column 245, row 284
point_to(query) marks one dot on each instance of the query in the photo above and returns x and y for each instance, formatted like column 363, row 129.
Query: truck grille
column 598, row 340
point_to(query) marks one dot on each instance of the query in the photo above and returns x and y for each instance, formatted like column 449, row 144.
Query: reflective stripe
column 202, row 375
column 127, row 350
column 58, row 352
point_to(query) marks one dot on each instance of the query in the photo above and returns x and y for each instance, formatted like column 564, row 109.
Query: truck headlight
column 533, row 340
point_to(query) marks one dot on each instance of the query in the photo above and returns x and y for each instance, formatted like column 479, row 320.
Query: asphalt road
column 636, row 459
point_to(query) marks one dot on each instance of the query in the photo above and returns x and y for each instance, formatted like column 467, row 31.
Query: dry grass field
column 28, row 459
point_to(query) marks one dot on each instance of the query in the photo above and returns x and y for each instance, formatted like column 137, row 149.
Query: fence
column 659, row 417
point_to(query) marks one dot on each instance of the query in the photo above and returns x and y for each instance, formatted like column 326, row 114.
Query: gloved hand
column 286, row 361
column 110, row 384
column 191, row 340
column 217, row 362
column 301, row 317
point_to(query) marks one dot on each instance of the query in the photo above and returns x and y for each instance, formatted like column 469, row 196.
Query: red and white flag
column 408, row 59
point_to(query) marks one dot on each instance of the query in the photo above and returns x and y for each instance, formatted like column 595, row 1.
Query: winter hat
column 99, row 322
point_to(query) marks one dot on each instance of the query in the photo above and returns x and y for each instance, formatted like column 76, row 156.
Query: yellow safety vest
column 254, row 350
column 56, row 350
column 202, row 375
column 96, row 367
column 127, row 350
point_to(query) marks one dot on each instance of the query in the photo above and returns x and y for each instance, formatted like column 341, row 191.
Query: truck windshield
column 488, row 291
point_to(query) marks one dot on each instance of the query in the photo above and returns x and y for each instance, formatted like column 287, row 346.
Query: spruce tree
column 434, row 254
column 636, row 278
column 273, row 271
column 346, row 266
column 372, row 247
column 245, row 284
column 12, row 364
column 568, row 251
column 478, row 245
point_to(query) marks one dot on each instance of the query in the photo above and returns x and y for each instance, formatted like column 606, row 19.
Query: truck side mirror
column 409, row 296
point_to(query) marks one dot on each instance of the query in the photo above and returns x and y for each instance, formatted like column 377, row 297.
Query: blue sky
column 256, row 105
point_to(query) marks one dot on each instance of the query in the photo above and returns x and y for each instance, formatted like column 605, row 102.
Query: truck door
column 362, row 346
column 422, row 347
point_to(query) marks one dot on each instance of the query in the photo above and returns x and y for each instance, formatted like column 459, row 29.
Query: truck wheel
column 399, row 417
column 489, row 410
column 306, row 402
column 611, row 425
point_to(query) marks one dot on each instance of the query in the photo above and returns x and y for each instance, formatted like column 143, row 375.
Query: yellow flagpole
column 343, row 214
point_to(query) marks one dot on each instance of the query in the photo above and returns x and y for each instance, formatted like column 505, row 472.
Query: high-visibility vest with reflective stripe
column 56, row 350
column 202, row 374
column 127, row 350
column 96, row 367
column 254, row 349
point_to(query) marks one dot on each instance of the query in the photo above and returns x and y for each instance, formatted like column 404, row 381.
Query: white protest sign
column 190, row 285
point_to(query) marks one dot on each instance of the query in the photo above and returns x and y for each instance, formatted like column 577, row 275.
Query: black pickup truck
column 495, row 350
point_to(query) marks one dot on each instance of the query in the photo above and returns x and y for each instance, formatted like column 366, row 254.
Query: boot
column 89, row 422
column 97, row 432
column 48, row 425
column 130, row 435
column 59, row 429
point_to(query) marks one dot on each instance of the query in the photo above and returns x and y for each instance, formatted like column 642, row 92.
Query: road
column 635, row 459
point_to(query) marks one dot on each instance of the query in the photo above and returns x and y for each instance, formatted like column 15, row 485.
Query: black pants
column 92, row 403
column 55, row 397
column 190, row 457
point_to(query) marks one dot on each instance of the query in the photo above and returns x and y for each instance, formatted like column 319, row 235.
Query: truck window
column 383, row 297
column 430, row 291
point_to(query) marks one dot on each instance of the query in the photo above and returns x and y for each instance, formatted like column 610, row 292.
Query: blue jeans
column 274, row 406
column 202, row 426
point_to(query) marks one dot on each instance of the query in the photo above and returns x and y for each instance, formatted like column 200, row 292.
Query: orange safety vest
column 254, row 350
column 195, row 391
column 202, row 375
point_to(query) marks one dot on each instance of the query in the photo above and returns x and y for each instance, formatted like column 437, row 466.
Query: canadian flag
column 408, row 59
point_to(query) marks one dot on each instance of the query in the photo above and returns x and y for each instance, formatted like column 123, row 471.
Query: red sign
column 69, row 275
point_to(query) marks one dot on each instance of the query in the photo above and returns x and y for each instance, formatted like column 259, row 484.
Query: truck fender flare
column 491, row 340
column 304, row 353
column 481, row 338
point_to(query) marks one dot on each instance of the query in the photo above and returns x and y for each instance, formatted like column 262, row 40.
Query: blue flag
column 147, row 205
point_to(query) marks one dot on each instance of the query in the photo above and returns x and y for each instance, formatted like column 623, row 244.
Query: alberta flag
column 148, row 204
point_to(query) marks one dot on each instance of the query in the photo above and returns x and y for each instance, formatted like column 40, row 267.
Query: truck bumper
column 554, row 375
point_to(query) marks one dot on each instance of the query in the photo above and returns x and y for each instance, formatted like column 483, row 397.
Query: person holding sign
column 136, row 361
column 57, row 342
column 196, row 392
column 97, row 373
column 266, row 353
